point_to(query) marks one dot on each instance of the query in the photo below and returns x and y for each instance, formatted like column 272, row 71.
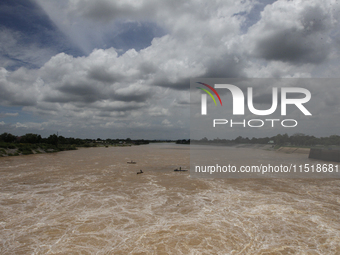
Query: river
column 90, row 201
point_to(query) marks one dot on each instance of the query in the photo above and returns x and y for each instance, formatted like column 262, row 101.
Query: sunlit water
column 90, row 201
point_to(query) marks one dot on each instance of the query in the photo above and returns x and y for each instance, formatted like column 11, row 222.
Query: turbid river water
column 90, row 201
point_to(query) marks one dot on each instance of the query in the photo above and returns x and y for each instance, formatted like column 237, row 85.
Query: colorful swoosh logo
column 212, row 89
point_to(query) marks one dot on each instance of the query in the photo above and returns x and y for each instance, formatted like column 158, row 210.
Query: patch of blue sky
column 30, row 25
column 14, row 114
column 26, row 17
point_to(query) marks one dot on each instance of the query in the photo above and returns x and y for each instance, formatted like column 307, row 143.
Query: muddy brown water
column 90, row 201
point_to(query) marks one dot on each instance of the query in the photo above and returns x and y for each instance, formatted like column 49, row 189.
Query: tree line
column 58, row 139
column 36, row 139
column 11, row 145
column 297, row 139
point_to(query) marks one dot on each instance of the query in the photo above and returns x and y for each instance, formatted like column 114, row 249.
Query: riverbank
column 294, row 150
column 19, row 149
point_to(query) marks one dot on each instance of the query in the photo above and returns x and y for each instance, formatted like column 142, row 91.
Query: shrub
column 3, row 145
column 26, row 151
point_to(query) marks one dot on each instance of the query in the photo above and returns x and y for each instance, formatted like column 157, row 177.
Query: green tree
column 62, row 140
column 279, row 139
column 30, row 138
column 8, row 138
column 53, row 139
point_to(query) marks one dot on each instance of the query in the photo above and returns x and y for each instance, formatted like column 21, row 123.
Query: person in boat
column 140, row 172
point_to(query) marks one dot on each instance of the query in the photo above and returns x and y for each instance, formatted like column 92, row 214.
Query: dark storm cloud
column 119, row 108
column 103, row 75
column 104, row 10
column 12, row 98
column 147, row 68
column 227, row 65
column 181, row 84
column 87, row 93
column 301, row 40
column 71, row 98
column 292, row 46
column 131, row 97
column 79, row 90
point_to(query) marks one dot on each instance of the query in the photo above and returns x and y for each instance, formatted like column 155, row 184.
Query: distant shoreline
column 32, row 149
column 268, row 147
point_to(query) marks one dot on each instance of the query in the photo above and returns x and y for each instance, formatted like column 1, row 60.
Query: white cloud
column 158, row 111
column 32, row 125
column 108, row 89
column 166, row 123
column 11, row 114
column 295, row 31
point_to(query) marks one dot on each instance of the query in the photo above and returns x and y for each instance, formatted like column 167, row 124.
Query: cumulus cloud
column 148, row 87
column 294, row 31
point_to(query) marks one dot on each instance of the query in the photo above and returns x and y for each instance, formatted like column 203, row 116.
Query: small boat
column 180, row 170
column 140, row 172
column 131, row 162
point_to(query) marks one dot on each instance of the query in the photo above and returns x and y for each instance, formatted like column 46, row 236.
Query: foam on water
column 91, row 202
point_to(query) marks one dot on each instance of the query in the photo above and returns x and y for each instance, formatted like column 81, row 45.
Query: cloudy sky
column 122, row 68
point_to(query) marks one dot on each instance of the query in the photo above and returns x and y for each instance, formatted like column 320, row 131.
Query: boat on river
column 180, row 170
